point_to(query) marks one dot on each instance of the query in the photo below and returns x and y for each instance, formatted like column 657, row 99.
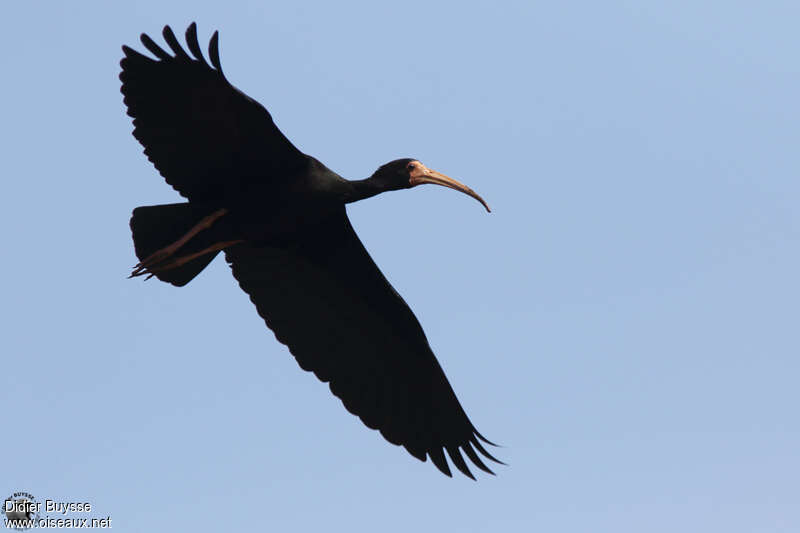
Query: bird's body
column 279, row 215
column 269, row 213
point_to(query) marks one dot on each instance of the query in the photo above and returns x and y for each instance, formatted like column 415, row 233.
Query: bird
column 279, row 216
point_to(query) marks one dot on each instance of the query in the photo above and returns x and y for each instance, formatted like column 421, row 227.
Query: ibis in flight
column 279, row 216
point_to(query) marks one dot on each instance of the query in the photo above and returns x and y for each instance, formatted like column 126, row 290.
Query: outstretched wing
column 209, row 140
column 325, row 299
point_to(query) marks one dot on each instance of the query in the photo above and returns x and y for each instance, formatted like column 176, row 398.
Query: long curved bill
column 421, row 174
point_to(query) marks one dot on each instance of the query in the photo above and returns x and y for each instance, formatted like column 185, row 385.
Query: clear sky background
column 625, row 322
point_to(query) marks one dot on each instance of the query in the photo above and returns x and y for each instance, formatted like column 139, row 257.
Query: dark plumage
column 279, row 216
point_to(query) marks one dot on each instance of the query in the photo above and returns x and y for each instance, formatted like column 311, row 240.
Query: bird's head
column 407, row 173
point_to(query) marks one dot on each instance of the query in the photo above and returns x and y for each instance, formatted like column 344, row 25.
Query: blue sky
column 624, row 322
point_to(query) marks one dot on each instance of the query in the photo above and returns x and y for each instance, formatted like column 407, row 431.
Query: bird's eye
column 410, row 166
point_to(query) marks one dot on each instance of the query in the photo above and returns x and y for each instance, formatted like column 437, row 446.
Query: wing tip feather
column 172, row 41
column 213, row 52
column 485, row 453
column 458, row 460
column 475, row 458
column 194, row 45
column 484, row 439
column 153, row 47
column 437, row 458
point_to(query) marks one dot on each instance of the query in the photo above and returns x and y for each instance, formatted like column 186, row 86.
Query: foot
column 162, row 254
column 161, row 265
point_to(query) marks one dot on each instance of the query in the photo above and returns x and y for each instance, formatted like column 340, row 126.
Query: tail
column 156, row 226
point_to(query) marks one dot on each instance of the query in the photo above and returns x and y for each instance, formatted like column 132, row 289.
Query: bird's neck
column 356, row 190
